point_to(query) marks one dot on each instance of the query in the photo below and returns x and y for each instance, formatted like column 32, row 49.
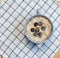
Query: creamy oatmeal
column 39, row 28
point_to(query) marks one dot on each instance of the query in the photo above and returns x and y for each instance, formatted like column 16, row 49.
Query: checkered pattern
column 13, row 15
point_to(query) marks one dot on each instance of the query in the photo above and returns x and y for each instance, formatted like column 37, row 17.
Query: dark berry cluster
column 37, row 30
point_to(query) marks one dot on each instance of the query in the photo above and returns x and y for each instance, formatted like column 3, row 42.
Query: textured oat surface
column 45, row 34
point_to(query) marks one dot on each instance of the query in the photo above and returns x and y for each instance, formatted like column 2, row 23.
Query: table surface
column 13, row 15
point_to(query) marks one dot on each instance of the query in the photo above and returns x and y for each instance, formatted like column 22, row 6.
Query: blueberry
column 40, row 23
column 35, row 24
column 37, row 30
column 43, row 28
column 32, row 29
column 40, row 34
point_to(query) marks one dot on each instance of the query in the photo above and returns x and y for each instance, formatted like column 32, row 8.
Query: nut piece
column 57, row 55
column 1, row 56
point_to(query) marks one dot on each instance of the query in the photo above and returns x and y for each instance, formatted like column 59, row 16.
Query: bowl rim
column 28, row 20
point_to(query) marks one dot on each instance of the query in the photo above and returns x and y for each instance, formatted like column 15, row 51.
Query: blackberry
column 43, row 28
column 40, row 34
column 32, row 29
column 35, row 34
column 40, row 23
column 35, row 24
column 37, row 30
